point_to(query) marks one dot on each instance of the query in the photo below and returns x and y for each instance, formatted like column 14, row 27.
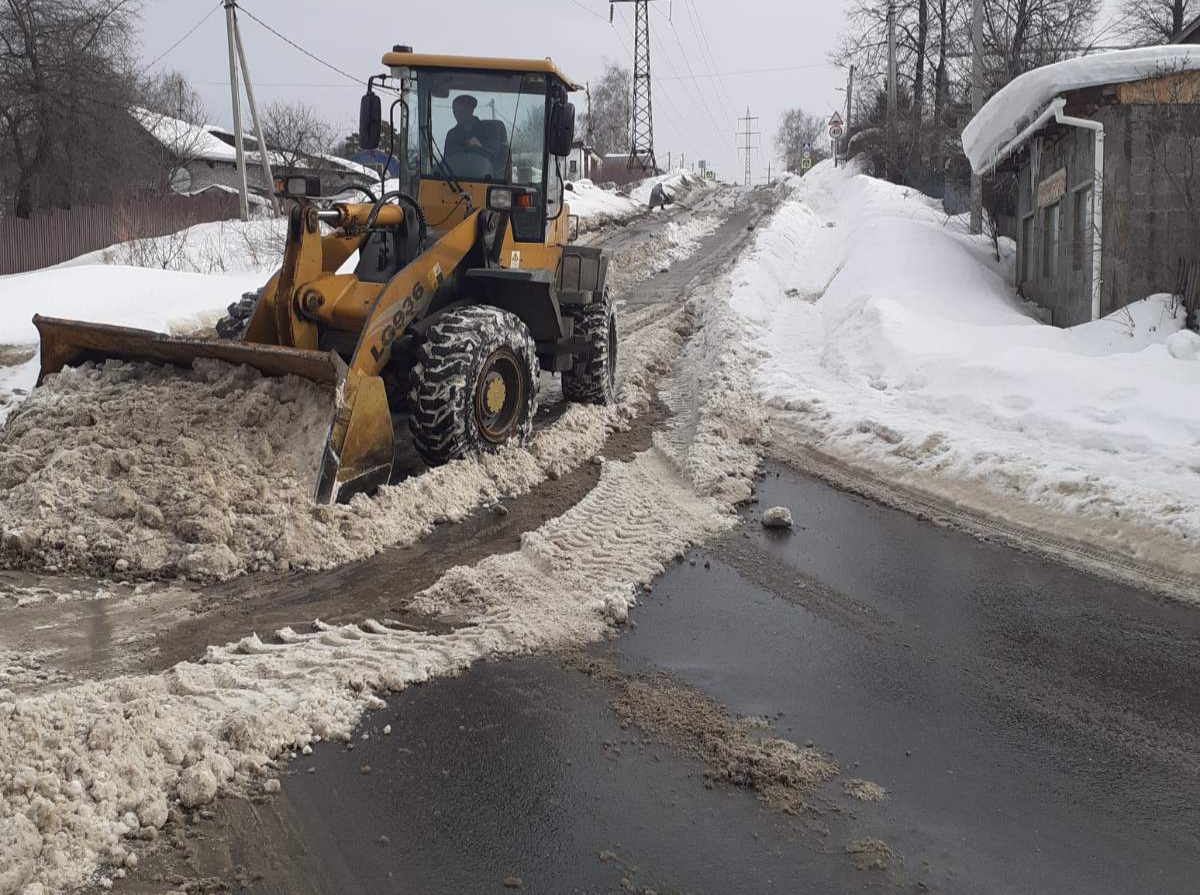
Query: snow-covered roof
column 184, row 139
column 1020, row 101
column 350, row 167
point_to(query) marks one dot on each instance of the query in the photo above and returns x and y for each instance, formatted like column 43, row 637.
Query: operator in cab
column 470, row 134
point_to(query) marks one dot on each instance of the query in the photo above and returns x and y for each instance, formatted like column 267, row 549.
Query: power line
column 189, row 33
column 678, row 118
column 588, row 10
column 717, row 129
column 759, row 71
column 688, row 62
column 297, row 46
column 697, row 24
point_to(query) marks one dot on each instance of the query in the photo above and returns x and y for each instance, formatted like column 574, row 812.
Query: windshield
column 483, row 126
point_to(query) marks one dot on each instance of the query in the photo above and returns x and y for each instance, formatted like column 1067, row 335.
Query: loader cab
column 482, row 134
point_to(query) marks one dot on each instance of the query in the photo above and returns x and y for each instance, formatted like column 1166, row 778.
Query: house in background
column 376, row 159
column 205, row 157
column 583, row 163
column 1108, row 179
column 616, row 168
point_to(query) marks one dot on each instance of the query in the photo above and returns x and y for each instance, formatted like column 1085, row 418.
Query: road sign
column 805, row 163
column 807, row 146
column 835, row 130
column 835, row 120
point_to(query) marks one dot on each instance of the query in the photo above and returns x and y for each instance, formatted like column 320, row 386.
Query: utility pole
column 849, row 106
column 235, row 90
column 891, row 86
column 237, row 54
column 976, row 105
column 588, row 136
column 768, row 173
column 641, row 148
column 749, row 121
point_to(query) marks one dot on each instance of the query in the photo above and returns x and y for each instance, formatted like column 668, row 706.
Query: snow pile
column 897, row 342
column 16, row 381
column 220, row 247
column 176, row 477
column 1021, row 100
column 159, row 300
column 100, row 470
column 91, row 770
column 588, row 201
column 678, row 184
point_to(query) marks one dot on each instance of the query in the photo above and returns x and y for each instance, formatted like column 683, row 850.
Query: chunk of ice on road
column 777, row 517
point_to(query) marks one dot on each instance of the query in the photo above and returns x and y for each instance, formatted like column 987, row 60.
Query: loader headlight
column 298, row 187
column 499, row 199
column 511, row 198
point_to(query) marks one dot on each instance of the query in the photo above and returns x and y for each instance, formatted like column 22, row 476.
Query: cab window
column 483, row 126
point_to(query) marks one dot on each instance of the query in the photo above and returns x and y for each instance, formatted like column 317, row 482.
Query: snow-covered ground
column 588, row 201
column 88, row 770
column 220, row 247
column 676, row 183
column 142, row 297
column 898, row 343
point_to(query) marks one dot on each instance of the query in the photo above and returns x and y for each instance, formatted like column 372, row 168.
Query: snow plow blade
column 360, row 447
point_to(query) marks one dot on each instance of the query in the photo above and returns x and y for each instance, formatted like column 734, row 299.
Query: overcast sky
column 691, row 114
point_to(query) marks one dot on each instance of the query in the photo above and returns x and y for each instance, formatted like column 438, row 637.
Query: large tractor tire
column 593, row 379
column 474, row 384
column 233, row 325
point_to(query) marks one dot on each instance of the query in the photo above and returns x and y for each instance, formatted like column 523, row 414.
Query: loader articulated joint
column 310, row 302
column 312, row 219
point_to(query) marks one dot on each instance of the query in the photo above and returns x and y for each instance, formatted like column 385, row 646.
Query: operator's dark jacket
column 492, row 145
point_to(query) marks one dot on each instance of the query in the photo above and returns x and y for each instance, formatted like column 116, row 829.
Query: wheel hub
column 494, row 392
column 499, row 396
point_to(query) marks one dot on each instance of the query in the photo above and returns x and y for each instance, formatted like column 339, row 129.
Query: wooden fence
column 53, row 236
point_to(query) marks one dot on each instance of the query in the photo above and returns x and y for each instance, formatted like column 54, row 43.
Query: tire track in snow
column 88, row 767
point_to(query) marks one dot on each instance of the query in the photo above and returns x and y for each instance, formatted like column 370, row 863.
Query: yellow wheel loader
column 441, row 298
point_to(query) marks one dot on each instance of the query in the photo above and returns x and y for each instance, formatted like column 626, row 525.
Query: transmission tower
column 749, row 121
column 641, row 148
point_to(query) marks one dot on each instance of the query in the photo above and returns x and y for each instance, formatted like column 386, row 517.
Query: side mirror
column 370, row 121
column 562, row 129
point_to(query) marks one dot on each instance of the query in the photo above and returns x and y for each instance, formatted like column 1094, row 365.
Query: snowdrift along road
column 133, row 470
column 895, row 341
column 92, row 771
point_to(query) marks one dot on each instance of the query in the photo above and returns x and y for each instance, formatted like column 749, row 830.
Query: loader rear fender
column 530, row 294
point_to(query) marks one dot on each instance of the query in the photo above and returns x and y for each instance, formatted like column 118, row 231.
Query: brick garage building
column 1107, row 171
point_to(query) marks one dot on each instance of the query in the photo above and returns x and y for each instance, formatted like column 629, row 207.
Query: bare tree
column 1148, row 22
column 1021, row 35
column 797, row 128
column 170, row 93
column 173, row 113
column 297, row 134
column 933, row 56
column 611, row 97
column 67, row 80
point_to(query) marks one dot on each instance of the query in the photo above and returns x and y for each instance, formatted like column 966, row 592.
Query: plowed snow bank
column 132, row 469
column 89, row 771
column 136, row 467
column 897, row 341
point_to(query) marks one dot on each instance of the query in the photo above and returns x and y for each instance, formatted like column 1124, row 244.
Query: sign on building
column 1052, row 188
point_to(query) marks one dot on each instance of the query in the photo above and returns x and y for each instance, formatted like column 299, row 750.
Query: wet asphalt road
column 1037, row 729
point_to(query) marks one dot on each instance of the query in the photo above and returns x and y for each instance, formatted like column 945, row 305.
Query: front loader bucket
column 360, row 446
